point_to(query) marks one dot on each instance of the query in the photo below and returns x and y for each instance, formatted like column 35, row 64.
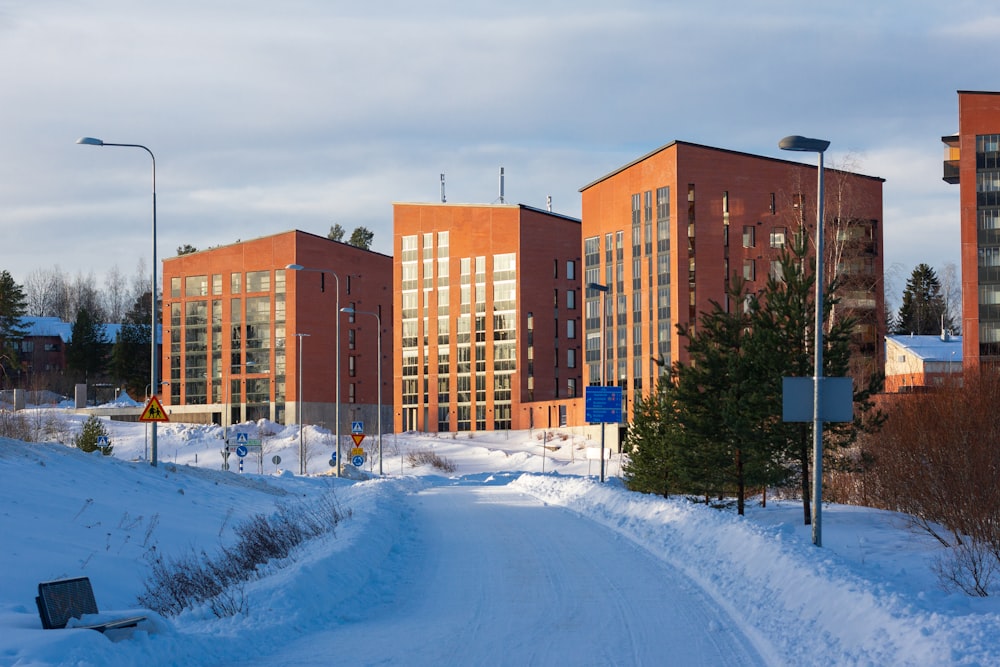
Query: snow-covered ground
column 523, row 563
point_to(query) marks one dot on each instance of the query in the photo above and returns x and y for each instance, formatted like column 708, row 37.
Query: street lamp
column 603, row 289
column 302, row 442
column 818, row 146
column 299, row 267
column 378, row 321
column 91, row 141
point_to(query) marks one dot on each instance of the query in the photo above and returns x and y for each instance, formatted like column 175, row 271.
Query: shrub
column 177, row 583
column 13, row 425
column 90, row 435
column 936, row 460
column 431, row 458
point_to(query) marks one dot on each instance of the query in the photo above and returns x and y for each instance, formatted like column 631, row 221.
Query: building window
column 235, row 283
column 571, row 358
column 571, row 388
column 216, row 284
column 570, row 270
column 749, row 270
column 258, row 281
column 749, row 236
column 352, row 393
column 778, row 237
column 571, row 328
column 351, row 370
column 196, row 286
column 777, row 272
column 571, row 299
column 351, row 338
column 175, row 287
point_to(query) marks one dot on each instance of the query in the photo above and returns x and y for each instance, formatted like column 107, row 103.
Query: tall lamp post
column 302, row 442
column 603, row 289
column 299, row 267
column 378, row 321
column 91, row 141
column 818, row 146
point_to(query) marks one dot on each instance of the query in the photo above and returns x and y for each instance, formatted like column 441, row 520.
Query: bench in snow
column 59, row 601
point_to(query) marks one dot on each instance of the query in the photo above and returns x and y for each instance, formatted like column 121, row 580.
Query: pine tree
column 13, row 307
column 130, row 354
column 87, row 352
column 786, row 328
column 722, row 400
column 652, row 438
column 88, row 439
column 923, row 305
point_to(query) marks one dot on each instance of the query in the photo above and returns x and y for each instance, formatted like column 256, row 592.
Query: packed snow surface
column 517, row 556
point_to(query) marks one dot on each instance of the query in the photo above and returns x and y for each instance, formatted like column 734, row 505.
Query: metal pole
column 379, row 321
column 154, row 387
column 336, row 278
column 819, row 146
column 302, row 442
column 817, row 508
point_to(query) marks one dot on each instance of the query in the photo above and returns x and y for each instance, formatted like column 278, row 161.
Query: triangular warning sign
column 154, row 412
column 357, row 438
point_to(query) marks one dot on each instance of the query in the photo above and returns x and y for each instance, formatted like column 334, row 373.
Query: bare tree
column 43, row 292
column 951, row 290
column 115, row 297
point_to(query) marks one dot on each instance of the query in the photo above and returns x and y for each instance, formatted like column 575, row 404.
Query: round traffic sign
column 241, row 451
column 275, row 459
column 357, row 461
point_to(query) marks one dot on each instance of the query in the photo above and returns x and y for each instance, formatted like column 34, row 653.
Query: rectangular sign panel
column 603, row 405
column 836, row 399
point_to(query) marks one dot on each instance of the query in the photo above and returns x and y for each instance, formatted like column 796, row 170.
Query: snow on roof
column 930, row 348
column 38, row 327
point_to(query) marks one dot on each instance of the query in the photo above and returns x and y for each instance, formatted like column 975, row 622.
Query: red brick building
column 232, row 317
column 972, row 159
column 667, row 232
column 487, row 333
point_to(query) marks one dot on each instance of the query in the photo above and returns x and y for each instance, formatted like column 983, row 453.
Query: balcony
column 951, row 171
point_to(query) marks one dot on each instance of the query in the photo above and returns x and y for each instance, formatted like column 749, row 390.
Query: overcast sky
column 271, row 116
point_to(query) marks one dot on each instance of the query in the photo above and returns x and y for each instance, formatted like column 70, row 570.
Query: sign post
column 603, row 404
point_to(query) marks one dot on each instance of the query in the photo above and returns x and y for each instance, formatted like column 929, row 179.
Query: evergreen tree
column 723, row 403
column 88, row 439
column 13, row 308
column 653, row 437
column 786, row 329
column 362, row 238
column 923, row 305
column 130, row 355
column 186, row 249
column 87, row 352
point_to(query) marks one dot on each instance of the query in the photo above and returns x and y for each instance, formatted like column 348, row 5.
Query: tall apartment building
column 235, row 319
column 487, row 331
column 972, row 159
column 666, row 233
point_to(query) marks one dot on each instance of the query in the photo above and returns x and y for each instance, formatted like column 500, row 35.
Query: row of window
column 256, row 281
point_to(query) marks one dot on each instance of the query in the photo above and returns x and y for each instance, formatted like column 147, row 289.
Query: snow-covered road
column 492, row 576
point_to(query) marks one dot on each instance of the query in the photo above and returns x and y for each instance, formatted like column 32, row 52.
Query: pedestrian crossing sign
column 154, row 411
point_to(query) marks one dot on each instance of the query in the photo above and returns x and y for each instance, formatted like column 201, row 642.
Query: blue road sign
column 242, row 438
column 603, row 405
column 358, row 461
column 357, row 427
column 102, row 441
column 241, row 451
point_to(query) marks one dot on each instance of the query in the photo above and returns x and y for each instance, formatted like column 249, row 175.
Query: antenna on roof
column 501, row 185
column 548, row 203
column 443, row 200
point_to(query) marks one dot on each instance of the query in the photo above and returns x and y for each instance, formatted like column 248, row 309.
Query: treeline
column 91, row 356
column 54, row 293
